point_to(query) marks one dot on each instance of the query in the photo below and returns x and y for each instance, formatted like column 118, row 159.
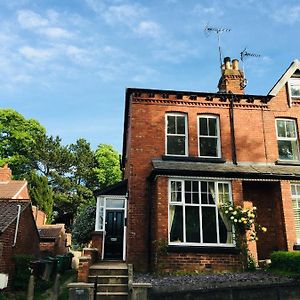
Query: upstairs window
column 209, row 136
column 296, row 207
column 287, row 139
column 295, row 87
column 176, row 134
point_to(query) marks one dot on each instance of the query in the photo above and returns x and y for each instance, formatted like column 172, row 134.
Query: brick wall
column 27, row 242
column 255, row 132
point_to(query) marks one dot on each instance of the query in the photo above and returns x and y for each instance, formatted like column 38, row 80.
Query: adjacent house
column 184, row 153
column 18, row 231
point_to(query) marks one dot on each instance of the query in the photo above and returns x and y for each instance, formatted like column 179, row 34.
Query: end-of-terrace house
column 18, row 231
column 184, row 152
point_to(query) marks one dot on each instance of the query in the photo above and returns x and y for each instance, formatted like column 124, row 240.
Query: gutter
column 17, row 225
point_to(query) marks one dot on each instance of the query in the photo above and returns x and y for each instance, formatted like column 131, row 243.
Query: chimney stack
column 232, row 79
column 5, row 173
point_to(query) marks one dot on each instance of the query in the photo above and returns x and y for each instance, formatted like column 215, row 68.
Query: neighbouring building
column 53, row 239
column 18, row 231
column 184, row 152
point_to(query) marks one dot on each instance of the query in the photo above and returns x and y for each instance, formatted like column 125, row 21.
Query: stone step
column 112, row 296
column 112, row 288
column 109, row 279
column 100, row 271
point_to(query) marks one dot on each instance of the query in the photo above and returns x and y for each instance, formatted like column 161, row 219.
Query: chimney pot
column 227, row 63
column 235, row 64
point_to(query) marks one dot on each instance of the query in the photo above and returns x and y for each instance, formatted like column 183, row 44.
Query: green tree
column 108, row 169
column 19, row 139
column 84, row 225
column 41, row 193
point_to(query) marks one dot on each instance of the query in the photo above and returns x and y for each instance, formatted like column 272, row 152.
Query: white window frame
column 170, row 134
column 296, row 210
column 294, row 81
column 183, row 205
column 218, row 136
column 288, row 138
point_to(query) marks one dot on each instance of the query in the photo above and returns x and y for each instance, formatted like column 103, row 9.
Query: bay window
column 194, row 214
column 296, row 208
column 287, row 139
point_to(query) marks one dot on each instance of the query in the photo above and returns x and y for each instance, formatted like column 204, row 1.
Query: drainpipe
column 17, row 225
column 233, row 145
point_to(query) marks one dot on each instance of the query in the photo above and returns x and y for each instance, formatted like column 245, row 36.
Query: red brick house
column 185, row 152
column 18, row 231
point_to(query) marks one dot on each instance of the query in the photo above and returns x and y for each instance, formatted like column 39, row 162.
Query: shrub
column 286, row 261
column 22, row 271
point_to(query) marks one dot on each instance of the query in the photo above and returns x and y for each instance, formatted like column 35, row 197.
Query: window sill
column 203, row 249
column 288, row 162
column 194, row 159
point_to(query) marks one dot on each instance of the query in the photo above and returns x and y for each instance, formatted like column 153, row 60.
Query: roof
column 11, row 189
column 227, row 170
column 119, row 188
column 9, row 212
column 294, row 66
column 50, row 232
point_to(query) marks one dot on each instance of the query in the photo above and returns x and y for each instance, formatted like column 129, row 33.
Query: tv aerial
column 244, row 55
column 218, row 31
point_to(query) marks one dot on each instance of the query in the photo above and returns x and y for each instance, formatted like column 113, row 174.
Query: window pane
column 211, row 193
column 295, row 89
column 180, row 125
column 281, row 128
column 192, row 224
column 203, row 126
column 298, row 189
column 101, row 218
column 288, row 150
column 176, row 145
column 209, row 225
column 208, row 147
column 176, row 224
column 116, row 203
column 176, row 191
column 171, row 124
column 212, row 126
column 188, row 186
column 290, row 129
column 225, row 229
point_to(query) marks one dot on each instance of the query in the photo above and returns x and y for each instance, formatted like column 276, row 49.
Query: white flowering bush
column 243, row 219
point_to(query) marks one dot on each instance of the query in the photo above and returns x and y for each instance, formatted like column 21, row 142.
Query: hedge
column 286, row 261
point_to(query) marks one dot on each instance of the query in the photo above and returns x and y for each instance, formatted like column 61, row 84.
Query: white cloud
column 29, row 19
column 148, row 28
column 35, row 54
column 55, row 32
column 286, row 14
column 212, row 10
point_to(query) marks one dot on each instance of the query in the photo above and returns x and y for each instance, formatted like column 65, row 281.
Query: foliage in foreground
column 286, row 261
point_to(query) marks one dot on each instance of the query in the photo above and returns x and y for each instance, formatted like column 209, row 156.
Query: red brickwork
column 256, row 142
column 97, row 241
column 27, row 242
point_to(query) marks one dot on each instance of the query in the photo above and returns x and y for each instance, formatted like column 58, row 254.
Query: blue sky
column 66, row 63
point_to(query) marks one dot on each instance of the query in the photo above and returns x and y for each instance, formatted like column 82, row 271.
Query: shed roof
column 227, row 170
column 50, row 232
column 9, row 212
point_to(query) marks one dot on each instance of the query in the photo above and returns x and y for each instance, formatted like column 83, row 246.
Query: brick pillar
column 83, row 269
column 97, row 242
column 237, row 192
column 288, row 214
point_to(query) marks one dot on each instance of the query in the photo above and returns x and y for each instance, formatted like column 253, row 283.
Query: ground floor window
column 296, row 207
column 194, row 215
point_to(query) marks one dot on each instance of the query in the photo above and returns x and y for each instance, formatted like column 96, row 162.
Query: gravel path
column 212, row 281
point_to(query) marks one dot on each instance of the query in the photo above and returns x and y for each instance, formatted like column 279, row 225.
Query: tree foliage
column 108, row 170
column 84, row 225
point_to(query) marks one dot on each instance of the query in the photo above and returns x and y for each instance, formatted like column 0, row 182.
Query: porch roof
column 119, row 188
column 227, row 170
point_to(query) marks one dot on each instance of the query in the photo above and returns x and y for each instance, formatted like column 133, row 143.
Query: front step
column 112, row 280
column 112, row 296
